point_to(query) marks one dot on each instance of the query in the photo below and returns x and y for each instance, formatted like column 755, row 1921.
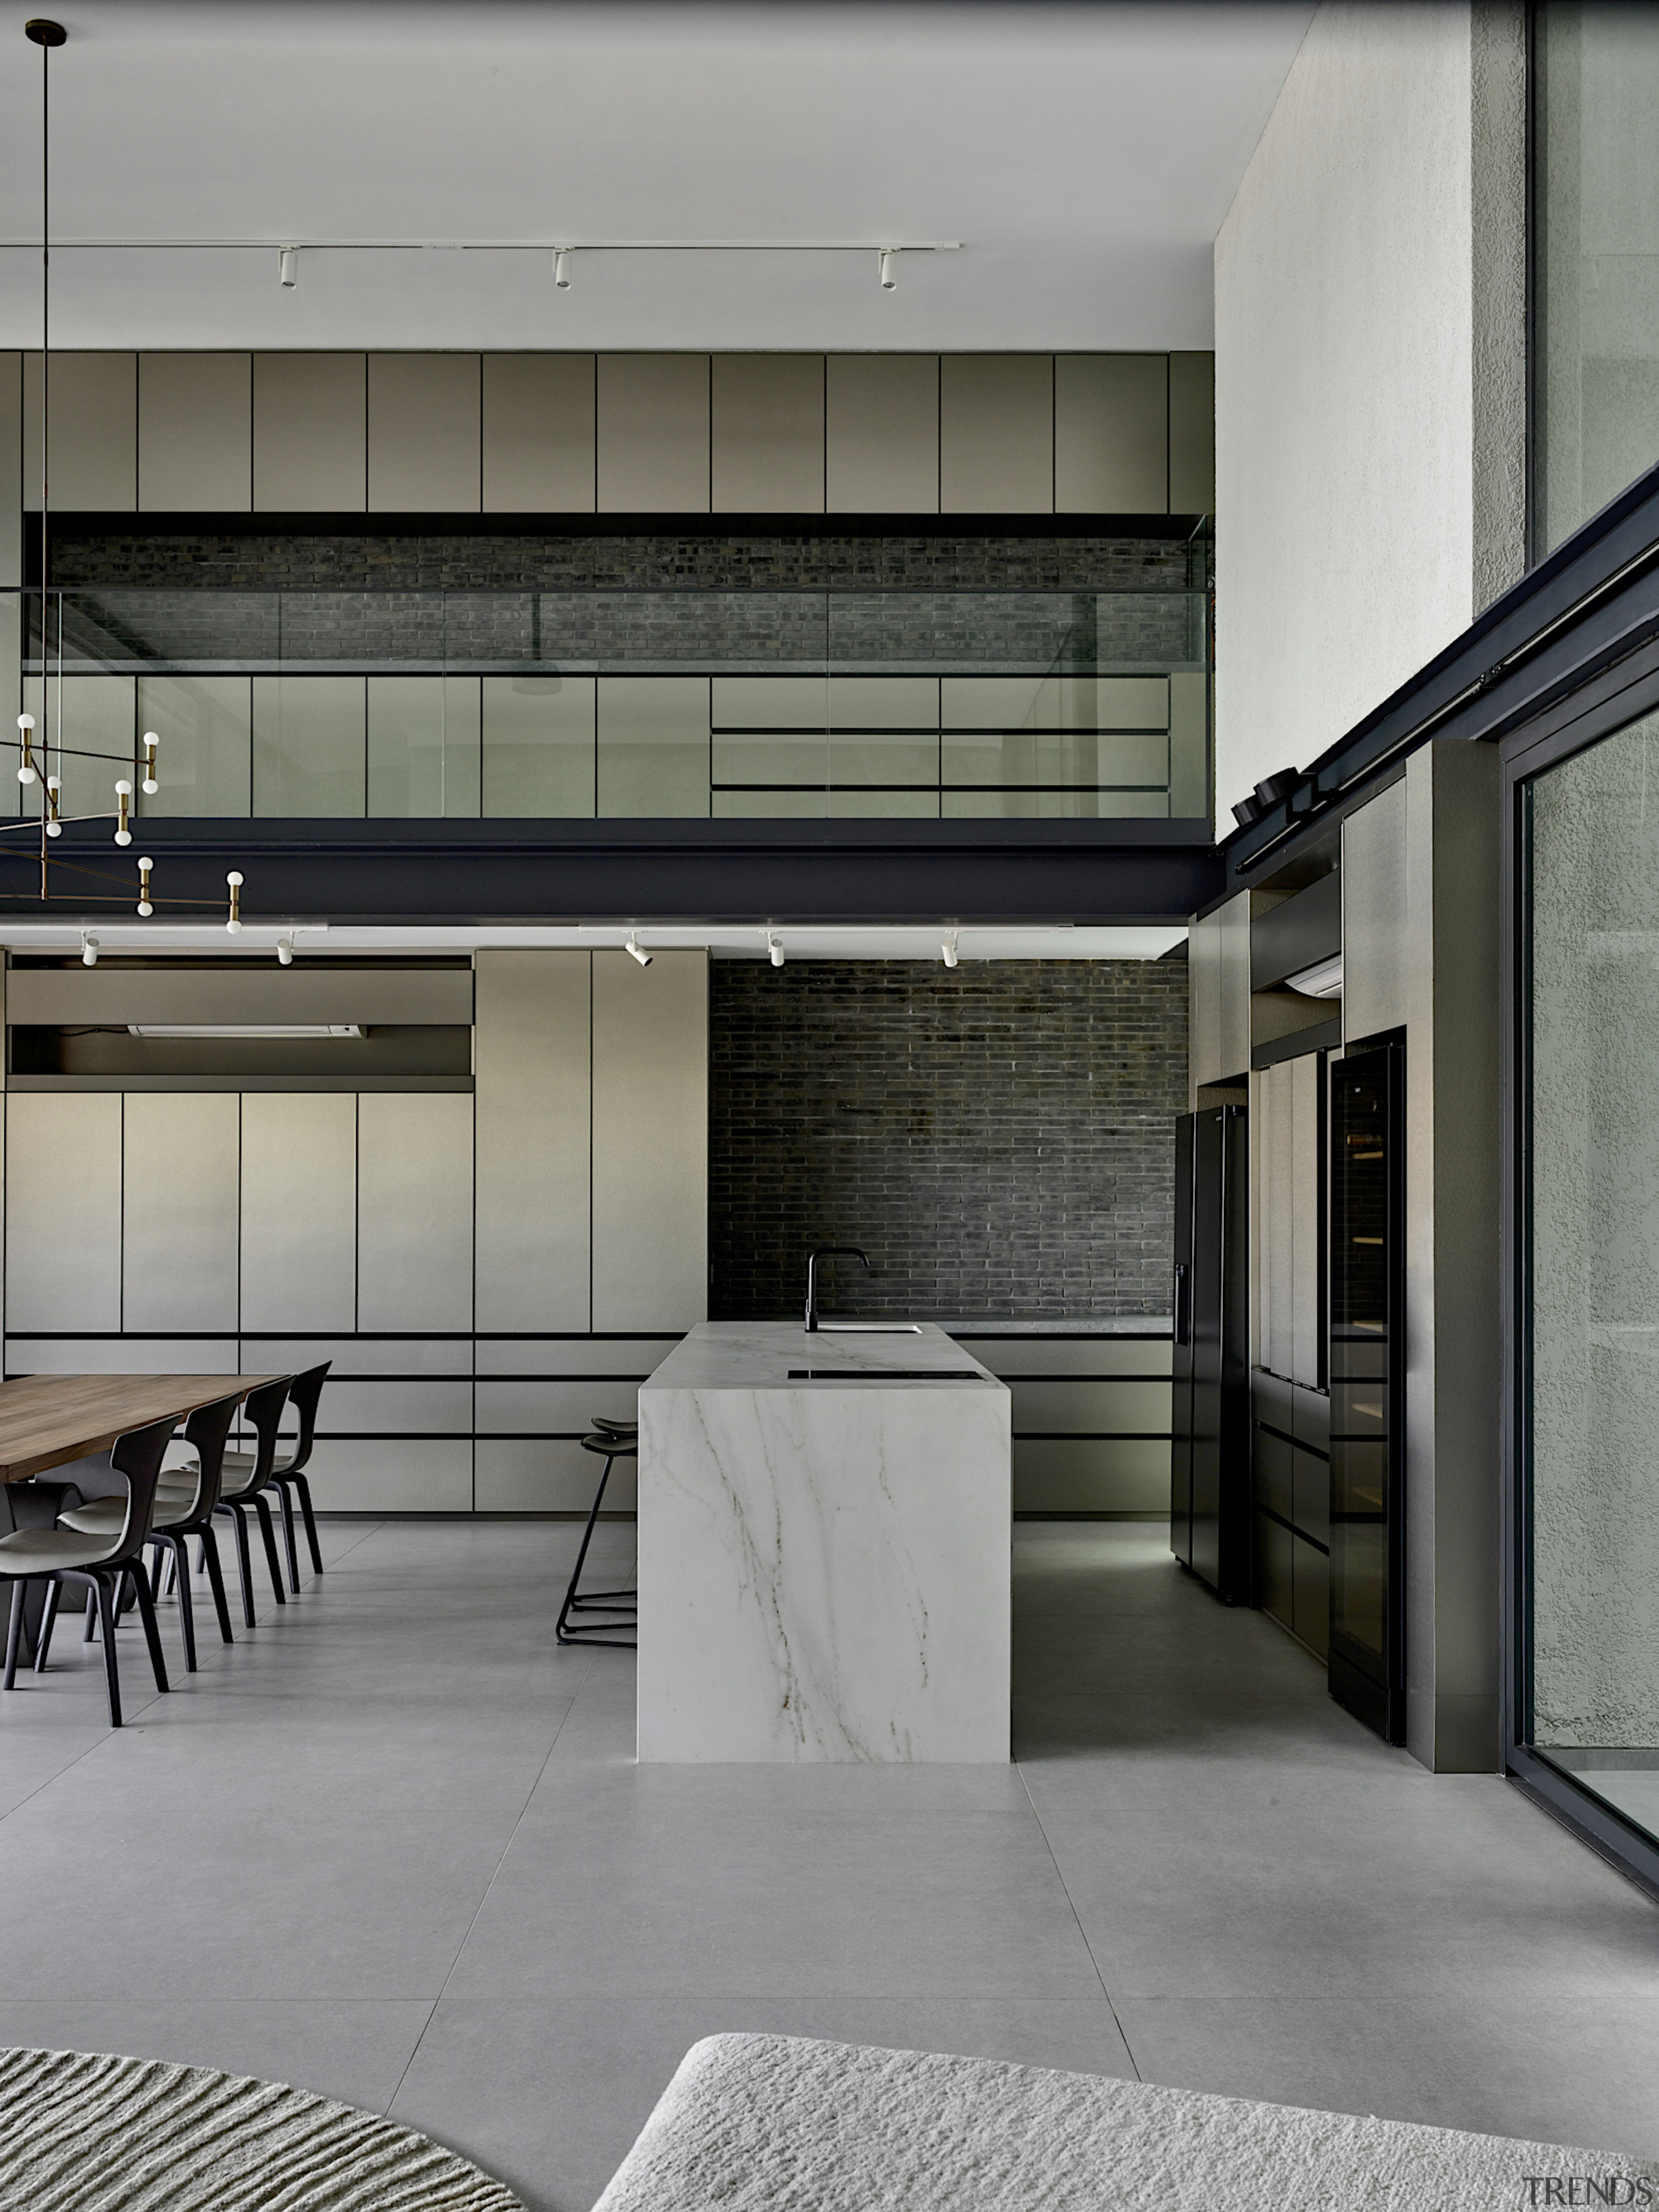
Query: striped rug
column 80, row 2133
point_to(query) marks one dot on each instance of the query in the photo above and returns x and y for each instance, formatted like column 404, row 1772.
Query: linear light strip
column 501, row 245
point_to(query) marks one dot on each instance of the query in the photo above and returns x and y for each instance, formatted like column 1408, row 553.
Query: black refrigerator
column 1367, row 1376
column 1210, row 1454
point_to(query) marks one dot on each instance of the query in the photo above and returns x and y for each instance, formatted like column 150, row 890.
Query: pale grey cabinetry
column 996, row 434
column 650, row 1141
column 180, row 1198
column 414, row 1210
column 881, row 433
column 63, row 1211
column 538, row 433
column 196, row 432
column 95, row 431
column 423, row 433
column 766, row 433
column 299, row 1210
column 310, row 432
column 533, row 1049
column 1111, row 433
column 654, row 433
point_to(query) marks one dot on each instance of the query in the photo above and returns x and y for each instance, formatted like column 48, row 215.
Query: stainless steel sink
column 867, row 1328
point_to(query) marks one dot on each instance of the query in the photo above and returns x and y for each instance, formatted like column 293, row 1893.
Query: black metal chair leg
column 89, row 1621
column 215, row 1578
column 106, row 1596
column 48, row 1621
column 302, row 1484
column 175, row 1545
column 244, row 1563
column 152, row 1632
column 292, row 1548
column 15, row 1631
column 269, row 1535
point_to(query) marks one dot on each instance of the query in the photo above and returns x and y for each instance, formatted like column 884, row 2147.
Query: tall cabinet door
column 64, row 1212
column 1209, row 1196
column 299, row 1211
column 1367, row 1371
column 1181, row 1408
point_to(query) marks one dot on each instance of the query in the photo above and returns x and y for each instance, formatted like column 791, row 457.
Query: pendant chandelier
column 45, row 770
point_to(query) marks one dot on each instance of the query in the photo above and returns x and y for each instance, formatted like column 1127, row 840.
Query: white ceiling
column 258, row 939
column 1083, row 153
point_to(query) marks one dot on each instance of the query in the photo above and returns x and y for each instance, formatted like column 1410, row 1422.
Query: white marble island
column 823, row 1529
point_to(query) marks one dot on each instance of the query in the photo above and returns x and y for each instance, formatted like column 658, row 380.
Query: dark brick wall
column 999, row 1138
column 684, row 560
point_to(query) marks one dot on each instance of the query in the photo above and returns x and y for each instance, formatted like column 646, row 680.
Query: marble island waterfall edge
column 823, row 1565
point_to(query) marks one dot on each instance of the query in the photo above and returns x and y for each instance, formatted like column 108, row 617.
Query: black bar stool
column 611, row 1441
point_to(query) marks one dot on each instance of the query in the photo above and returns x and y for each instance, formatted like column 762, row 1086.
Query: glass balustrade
column 581, row 704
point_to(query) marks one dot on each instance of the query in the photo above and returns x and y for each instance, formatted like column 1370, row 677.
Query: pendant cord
column 45, row 397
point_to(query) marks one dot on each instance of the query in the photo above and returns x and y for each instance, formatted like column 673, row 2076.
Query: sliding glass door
column 1590, row 1293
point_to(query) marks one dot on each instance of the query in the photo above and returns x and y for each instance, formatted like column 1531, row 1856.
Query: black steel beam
column 729, row 872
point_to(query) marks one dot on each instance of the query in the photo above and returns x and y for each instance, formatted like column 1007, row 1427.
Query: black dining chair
column 176, row 1520
column 104, row 1563
column 244, row 1487
column 287, row 1476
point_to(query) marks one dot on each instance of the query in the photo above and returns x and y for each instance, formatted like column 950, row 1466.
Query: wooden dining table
column 47, row 1420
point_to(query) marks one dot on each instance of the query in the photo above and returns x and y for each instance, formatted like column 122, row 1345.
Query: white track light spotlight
column 949, row 949
column 88, row 950
column 632, row 947
column 287, row 266
column 887, row 263
column 561, row 267
column 774, row 948
column 285, row 952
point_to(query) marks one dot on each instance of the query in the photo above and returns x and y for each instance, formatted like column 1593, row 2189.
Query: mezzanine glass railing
column 581, row 704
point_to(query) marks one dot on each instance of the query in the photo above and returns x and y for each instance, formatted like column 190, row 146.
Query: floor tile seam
column 1077, row 1918
column 493, row 1874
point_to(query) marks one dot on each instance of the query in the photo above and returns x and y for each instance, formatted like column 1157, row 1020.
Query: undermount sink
column 866, row 1328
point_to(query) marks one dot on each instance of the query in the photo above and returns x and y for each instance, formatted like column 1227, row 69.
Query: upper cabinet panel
column 63, row 1219
column 414, row 1210
column 997, row 434
column 196, row 432
column 1111, row 433
column 881, row 434
column 654, row 433
column 95, row 431
column 299, row 1244
column 309, row 433
column 424, row 433
column 1192, row 434
column 767, row 435
column 538, row 434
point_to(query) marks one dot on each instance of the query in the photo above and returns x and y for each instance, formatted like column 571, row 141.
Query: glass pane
column 423, row 745
column 653, row 745
column 91, row 718
column 308, row 745
column 538, row 747
column 1595, row 1268
column 204, row 756
column 1598, row 263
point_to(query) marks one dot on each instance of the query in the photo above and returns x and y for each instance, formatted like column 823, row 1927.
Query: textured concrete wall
column 999, row 1138
column 1595, row 1248
column 1370, row 373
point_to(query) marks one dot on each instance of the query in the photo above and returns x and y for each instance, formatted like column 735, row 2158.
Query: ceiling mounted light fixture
column 287, row 266
column 887, row 266
column 949, row 949
column 561, row 267
column 49, row 763
column 285, row 952
column 774, row 948
column 88, row 950
column 632, row 948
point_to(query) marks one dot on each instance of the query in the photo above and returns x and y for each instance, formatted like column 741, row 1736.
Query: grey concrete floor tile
column 649, row 1893
column 550, row 2094
column 354, row 2050
column 1575, row 2072
column 1293, row 1885
column 252, row 1903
